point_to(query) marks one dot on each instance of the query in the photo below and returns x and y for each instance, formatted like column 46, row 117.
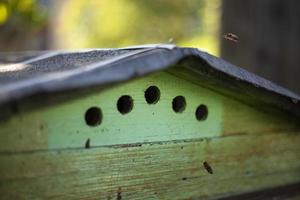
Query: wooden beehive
column 147, row 122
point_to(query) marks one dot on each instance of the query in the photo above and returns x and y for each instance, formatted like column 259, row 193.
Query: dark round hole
column 201, row 112
column 152, row 95
column 125, row 104
column 93, row 116
column 178, row 104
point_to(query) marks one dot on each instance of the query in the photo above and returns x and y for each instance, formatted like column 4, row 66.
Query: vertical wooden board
column 170, row 170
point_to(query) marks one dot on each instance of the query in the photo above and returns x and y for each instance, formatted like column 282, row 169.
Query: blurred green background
column 111, row 23
column 268, row 30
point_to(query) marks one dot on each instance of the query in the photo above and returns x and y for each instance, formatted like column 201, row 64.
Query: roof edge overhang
column 146, row 59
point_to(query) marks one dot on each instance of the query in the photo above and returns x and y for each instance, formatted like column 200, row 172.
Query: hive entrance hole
column 179, row 104
column 93, row 116
column 201, row 112
column 125, row 104
column 152, row 95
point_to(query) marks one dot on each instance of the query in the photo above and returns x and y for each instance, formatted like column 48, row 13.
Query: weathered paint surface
column 168, row 170
column 26, row 131
column 145, row 123
column 151, row 152
column 65, row 125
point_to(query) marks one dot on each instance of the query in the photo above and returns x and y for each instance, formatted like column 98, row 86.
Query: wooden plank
column 161, row 170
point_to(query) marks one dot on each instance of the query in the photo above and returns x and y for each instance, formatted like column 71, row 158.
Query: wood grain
column 165, row 170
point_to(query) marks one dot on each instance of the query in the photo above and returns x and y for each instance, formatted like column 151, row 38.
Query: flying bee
column 231, row 37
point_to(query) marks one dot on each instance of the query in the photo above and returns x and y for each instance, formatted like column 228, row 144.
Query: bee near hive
column 231, row 37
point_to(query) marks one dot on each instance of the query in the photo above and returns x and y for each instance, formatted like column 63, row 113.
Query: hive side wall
column 151, row 152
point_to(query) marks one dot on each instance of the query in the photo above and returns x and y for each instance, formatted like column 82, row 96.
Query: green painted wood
column 239, row 118
column 65, row 126
column 151, row 152
column 170, row 170
column 26, row 131
column 145, row 123
column 62, row 125
column 242, row 113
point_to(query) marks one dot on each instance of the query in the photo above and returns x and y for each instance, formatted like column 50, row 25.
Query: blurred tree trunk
column 269, row 38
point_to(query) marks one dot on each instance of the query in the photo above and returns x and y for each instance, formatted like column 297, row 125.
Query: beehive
column 146, row 122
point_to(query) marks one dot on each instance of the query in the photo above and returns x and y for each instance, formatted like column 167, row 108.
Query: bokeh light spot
column 3, row 13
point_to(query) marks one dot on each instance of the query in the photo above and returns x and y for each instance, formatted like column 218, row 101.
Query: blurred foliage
column 115, row 23
column 24, row 13
column 111, row 23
